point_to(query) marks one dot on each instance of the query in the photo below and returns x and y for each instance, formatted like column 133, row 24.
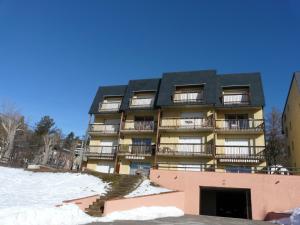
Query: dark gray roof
column 171, row 80
column 250, row 80
column 117, row 90
column 137, row 86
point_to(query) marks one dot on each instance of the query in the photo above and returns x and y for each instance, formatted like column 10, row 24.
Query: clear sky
column 54, row 54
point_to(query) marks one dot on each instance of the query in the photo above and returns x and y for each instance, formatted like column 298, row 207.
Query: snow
column 145, row 188
column 294, row 219
column 28, row 198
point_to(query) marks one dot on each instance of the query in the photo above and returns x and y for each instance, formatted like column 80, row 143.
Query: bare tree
column 275, row 143
column 11, row 121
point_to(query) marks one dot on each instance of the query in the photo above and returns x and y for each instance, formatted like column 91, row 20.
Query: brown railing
column 139, row 125
column 240, row 124
column 188, row 97
column 101, row 151
column 104, row 128
column 185, row 149
column 240, row 152
column 186, row 123
column 142, row 102
column 236, row 99
column 136, row 149
column 111, row 106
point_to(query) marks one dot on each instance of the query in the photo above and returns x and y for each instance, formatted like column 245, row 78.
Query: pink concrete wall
column 165, row 199
column 83, row 203
column 268, row 192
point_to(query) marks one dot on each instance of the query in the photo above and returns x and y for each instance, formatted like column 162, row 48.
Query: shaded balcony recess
column 188, row 97
column 186, row 123
column 110, row 106
column 104, row 128
column 101, row 152
column 240, row 124
column 139, row 125
column 235, row 99
column 141, row 102
column 183, row 149
column 240, row 152
column 142, row 150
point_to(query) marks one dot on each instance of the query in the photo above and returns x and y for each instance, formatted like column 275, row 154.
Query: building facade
column 196, row 121
column 291, row 121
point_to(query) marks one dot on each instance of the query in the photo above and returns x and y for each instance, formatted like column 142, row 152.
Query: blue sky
column 54, row 54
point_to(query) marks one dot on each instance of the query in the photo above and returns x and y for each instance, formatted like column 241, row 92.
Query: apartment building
column 183, row 121
column 291, row 121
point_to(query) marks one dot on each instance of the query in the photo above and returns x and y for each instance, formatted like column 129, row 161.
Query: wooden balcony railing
column 111, row 106
column 186, row 123
column 146, row 102
column 185, row 149
column 139, row 126
column 240, row 124
column 104, row 128
column 139, row 150
column 188, row 97
column 101, row 151
column 235, row 99
column 240, row 152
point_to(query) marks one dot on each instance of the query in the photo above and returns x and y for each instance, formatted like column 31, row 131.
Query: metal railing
column 229, row 168
column 240, row 124
column 101, row 151
column 139, row 125
column 188, row 97
column 136, row 149
column 235, row 99
column 111, row 106
column 141, row 102
column 240, row 152
column 186, row 123
column 104, row 128
column 185, row 149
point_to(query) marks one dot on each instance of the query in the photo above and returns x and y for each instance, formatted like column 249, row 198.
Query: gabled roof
column 250, row 80
column 106, row 91
column 139, row 86
column 295, row 78
column 171, row 80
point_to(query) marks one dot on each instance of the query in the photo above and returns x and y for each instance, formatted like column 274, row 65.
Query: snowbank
column 24, row 188
column 146, row 188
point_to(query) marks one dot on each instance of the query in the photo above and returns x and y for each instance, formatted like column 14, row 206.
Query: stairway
column 121, row 185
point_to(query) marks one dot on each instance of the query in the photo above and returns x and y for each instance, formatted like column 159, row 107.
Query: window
column 141, row 145
column 144, row 123
column 191, row 93
column 237, row 147
column 236, row 121
column 110, row 104
column 235, row 96
column 142, row 99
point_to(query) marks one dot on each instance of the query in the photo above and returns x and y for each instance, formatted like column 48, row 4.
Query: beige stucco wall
column 292, row 125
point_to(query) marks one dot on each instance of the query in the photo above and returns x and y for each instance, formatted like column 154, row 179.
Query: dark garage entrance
column 225, row 202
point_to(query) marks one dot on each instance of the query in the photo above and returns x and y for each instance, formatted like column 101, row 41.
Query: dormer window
column 110, row 103
column 235, row 96
column 188, row 94
column 142, row 100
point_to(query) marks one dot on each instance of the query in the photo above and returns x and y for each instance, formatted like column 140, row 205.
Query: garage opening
column 225, row 202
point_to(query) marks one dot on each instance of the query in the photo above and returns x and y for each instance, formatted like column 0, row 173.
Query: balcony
column 101, row 152
column 188, row 150
column 136, row 151
column 138, row 126
column 235, row 99
column 109, row 106
column 188, row 97
column 240, row 125
column 141, row 102
column 186, row 124
column 103, row 129
column 244, row 154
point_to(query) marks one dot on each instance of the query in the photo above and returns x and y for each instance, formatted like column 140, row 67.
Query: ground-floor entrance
column 225, row 202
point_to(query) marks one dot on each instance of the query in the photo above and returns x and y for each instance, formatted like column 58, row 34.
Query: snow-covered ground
column 294, row 219
column 145, row 188
column 28, row 198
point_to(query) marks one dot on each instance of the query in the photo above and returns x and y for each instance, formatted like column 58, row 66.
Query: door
column 108, row 146
column 190, row 144
column 191, row 119
column 236, row 146
column 236, row 121
column 105, row 167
